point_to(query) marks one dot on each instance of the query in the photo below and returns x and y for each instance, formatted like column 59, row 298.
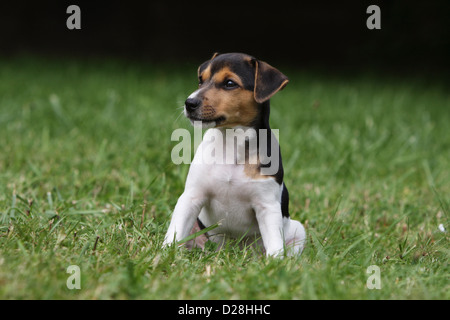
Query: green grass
column 86, row 179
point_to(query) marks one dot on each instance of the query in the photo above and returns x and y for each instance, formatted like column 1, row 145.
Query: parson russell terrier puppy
column 236, row 177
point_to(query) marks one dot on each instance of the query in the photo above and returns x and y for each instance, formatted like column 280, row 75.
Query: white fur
column 246, row 208
column 194, row 94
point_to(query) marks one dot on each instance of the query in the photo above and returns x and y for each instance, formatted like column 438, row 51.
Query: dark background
column 325, row 34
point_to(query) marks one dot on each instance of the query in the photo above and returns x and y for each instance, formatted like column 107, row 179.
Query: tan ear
column 268, row 81
column 205, row 64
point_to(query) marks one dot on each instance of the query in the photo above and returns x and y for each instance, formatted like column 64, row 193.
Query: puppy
column 236, row 177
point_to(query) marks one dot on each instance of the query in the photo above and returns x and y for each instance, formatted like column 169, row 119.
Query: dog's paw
column 168, row 243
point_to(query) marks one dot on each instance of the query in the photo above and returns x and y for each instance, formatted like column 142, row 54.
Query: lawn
column 86, row 179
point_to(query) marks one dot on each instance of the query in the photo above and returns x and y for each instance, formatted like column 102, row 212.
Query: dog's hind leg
column 197, row 242
column 294, row 237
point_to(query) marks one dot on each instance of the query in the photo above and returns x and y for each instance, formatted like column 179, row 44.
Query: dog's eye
column 230, row 84
column 200, row 81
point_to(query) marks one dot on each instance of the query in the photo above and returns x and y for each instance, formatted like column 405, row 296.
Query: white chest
column 231, row 198
column 231, row 195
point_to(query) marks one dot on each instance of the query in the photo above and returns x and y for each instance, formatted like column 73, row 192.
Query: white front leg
column 186, row 211
column 270, row 223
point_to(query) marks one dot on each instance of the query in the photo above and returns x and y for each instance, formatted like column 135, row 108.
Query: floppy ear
column 205, row 64
column 268, row 81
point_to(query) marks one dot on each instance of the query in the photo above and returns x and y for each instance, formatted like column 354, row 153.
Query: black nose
column 192, row 104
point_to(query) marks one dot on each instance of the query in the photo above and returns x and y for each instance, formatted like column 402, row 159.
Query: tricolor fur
column 234, row 92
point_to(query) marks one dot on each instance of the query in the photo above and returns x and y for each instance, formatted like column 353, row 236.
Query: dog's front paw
column 166, row 244
column 169, row 240
column 278, row 254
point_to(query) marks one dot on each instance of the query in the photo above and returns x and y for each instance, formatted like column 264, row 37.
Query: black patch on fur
column 285, row 202
column 262, row 122
column 200, row 224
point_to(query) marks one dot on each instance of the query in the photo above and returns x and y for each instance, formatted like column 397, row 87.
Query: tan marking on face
column 226, row 74
column 238, row 106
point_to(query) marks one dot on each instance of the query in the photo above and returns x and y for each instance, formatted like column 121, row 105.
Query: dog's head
column 232, row 87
